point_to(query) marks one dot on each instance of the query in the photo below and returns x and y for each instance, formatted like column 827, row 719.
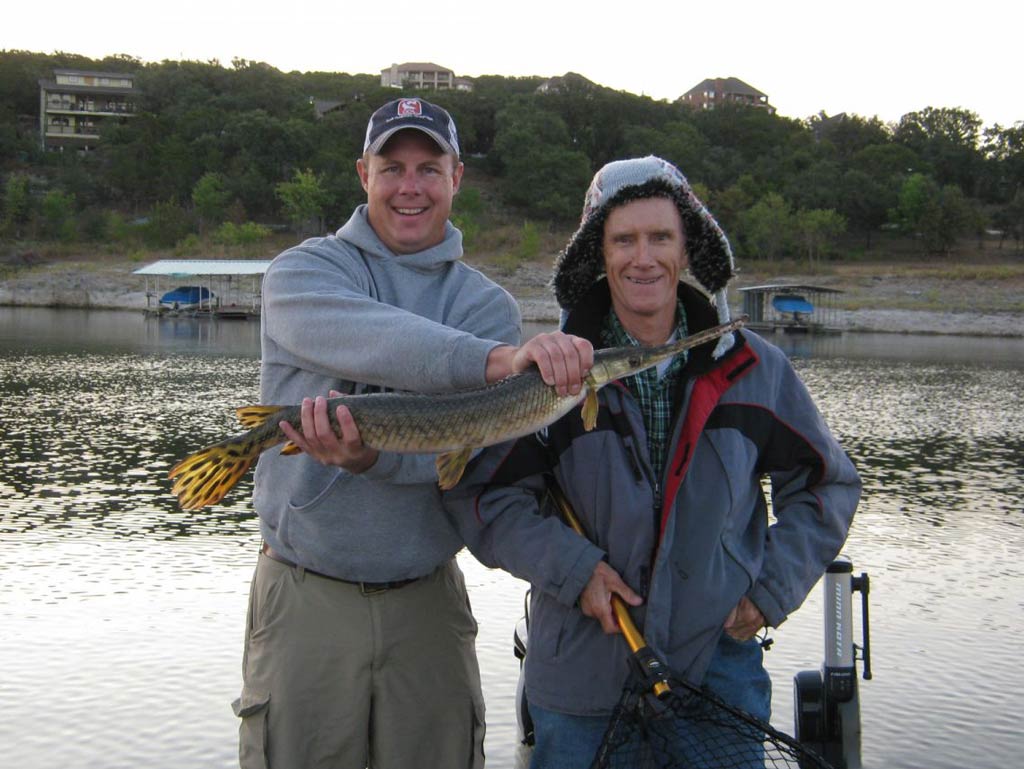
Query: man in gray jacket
column 667, row 485
column 359, row 648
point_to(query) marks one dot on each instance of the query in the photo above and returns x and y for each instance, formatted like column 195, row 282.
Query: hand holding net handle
column 648, row 661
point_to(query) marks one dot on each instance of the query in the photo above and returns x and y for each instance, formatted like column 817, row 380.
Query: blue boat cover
column 792, row 303
column 186, row 295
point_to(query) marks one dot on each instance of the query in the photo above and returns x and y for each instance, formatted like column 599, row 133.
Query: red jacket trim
column 707, row 392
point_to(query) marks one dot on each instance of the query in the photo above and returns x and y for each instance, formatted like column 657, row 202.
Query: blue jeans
column 736, row 674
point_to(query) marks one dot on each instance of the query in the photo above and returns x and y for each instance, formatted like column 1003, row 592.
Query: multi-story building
column 422, row 76
column 719, row 91
column 75, row 103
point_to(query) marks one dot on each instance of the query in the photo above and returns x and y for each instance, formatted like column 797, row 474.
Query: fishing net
column 690, row 728
column 664, row 723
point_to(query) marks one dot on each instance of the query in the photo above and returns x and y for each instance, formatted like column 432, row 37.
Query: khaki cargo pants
column 337, row 677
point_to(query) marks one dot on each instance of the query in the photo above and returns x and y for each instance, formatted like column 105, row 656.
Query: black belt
column 366, row 588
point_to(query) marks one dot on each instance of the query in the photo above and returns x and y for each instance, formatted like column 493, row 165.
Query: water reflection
column 41, row 329
column 121, row 616
column 905, row 348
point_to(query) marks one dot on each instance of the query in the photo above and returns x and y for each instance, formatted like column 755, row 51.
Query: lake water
column 121, row 616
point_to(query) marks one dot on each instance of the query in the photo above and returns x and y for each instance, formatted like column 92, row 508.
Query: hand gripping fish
column 451, row 425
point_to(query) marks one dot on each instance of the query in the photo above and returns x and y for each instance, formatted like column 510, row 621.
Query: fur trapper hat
column 621, row 182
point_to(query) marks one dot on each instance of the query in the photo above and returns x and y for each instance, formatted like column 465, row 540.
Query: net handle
column 629, row 629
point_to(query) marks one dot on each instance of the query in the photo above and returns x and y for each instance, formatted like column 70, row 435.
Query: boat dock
column 226, row 289
column 792, row 308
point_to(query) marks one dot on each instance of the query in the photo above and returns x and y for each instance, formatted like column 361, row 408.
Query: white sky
column 873, row 57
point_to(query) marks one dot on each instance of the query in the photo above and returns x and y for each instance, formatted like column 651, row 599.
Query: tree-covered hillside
column 216, row 149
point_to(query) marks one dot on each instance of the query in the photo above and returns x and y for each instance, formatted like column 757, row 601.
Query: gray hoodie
column 343, row 312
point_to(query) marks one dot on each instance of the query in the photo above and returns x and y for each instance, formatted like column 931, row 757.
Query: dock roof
column 189, row 267
column 792, row 287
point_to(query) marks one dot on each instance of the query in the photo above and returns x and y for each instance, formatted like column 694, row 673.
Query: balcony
column 81, row 132
column 111, row 108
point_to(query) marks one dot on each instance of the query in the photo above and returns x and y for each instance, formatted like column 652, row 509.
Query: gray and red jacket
column 693, row 555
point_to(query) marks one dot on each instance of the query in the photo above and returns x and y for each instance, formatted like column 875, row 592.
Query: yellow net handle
column 629, row 629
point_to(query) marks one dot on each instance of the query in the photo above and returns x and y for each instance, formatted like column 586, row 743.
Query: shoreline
column 113, row 286
column 881, row 321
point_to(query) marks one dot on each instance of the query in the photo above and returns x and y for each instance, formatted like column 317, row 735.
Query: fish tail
column 205, row 477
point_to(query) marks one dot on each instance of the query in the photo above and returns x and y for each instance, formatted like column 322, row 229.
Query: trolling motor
column 826, row 702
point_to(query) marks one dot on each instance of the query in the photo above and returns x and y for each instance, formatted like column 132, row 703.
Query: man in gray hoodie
column 359, row 647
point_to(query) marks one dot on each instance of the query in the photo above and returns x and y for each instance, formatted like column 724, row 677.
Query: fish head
column 618, row 362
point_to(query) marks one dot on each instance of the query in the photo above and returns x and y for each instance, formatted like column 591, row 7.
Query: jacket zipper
column 658, row 483
column 643, row 471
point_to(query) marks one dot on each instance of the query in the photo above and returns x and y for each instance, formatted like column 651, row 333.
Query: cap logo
column 410, row 108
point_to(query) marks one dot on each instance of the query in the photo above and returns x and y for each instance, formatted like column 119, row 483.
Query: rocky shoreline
column 111, row 285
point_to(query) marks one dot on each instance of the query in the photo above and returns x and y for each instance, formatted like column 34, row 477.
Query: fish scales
column 449, row 425
column 432, row 424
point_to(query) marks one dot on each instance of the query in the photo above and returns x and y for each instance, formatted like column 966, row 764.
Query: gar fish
column 451, row 425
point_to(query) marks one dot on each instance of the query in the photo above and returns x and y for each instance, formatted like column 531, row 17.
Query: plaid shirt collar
column 653, row 393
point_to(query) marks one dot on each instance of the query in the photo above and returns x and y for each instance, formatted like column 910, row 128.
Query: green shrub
column 188, row 245
column 526, row 248
column 17, row 205
column 58, row 215
column 469, row 227
column 117, row 228
column 92, row 225
column 168, row 223
column 529, row 242
column 231, row 234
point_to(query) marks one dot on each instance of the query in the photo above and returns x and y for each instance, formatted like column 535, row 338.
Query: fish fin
column 290, row 449
column 256, row 416
column 205, row 477
column 590, row 409
column 450, row 467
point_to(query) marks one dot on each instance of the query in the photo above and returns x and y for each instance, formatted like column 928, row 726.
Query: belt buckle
column 372, row 588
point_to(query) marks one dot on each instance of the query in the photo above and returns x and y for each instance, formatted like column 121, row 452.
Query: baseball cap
column 411, row 113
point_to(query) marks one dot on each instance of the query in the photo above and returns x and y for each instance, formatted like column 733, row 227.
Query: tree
column 58, row 214
column 254, row 126
column 177, row 172
column 303, row 200
column 128, row 162
column 1010, row 219
column 555, row 179
column 679, row 143
column 467, row 210
column 887, row 164
column 848, row 134
column 917, row 194
column 815, row 186
column 959, row 127
column 593, row 116
column 210, row 199
column 168, row 223
column 938, row 215
column 864, row 202
column 262, row 150
column 818, row 230
column 729, row 204
column 542, row 173
column 753, row 133
column 946, row 139
column 15, row 145
column 767, row 227
column 1005, row 148
column 17, row 205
